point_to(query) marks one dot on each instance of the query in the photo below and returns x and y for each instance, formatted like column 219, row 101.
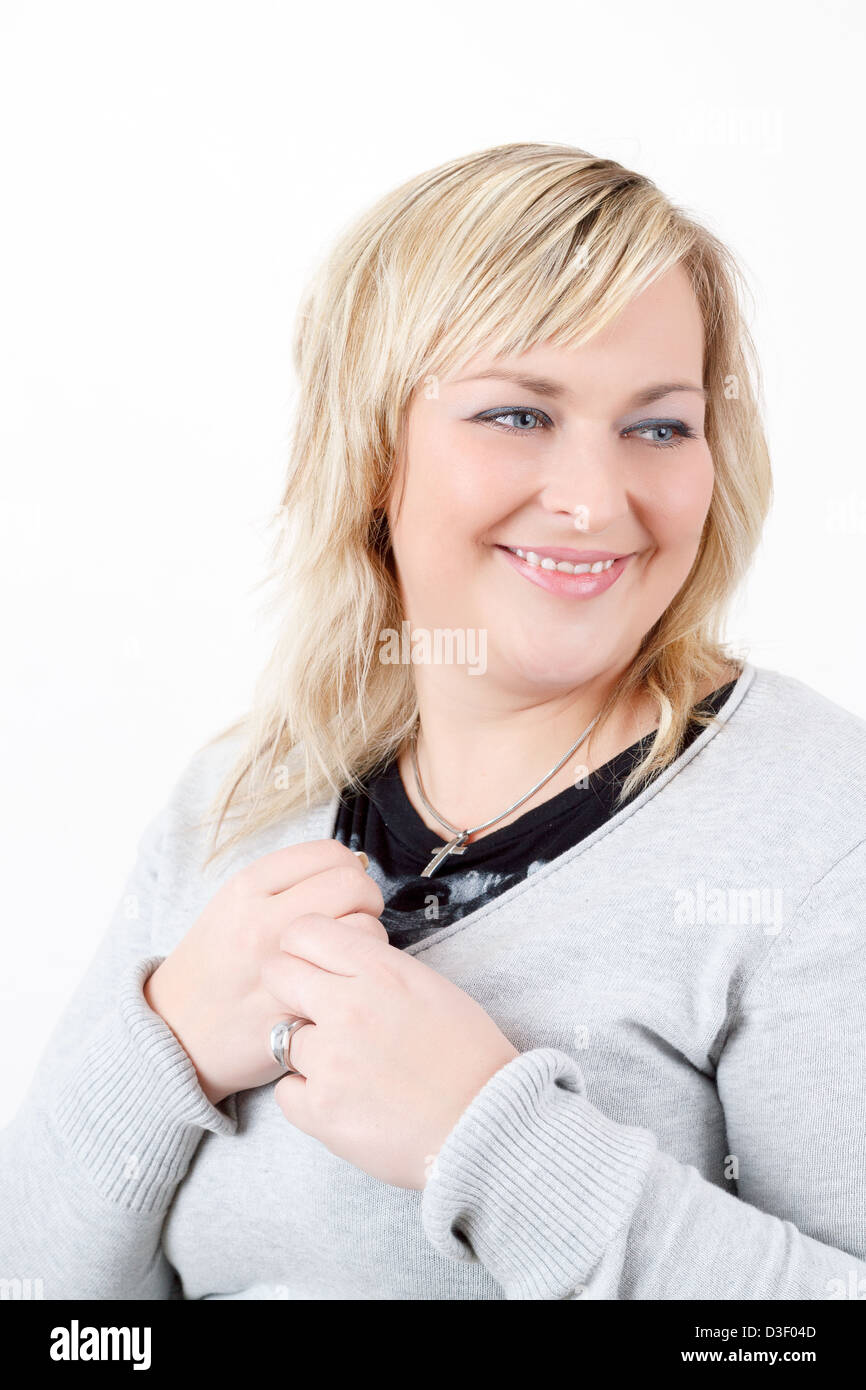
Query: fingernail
column 365, row 863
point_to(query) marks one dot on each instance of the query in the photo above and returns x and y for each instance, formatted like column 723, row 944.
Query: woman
column 527, row 968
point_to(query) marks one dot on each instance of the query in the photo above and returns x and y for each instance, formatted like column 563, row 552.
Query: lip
column 568, row 585
column 575, row 557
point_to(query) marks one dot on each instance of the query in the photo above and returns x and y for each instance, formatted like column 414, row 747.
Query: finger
column 291, row 1096
column 335, row 891
column 332, row 945
column 300, row 988
column 363, row 921
column 283, row 868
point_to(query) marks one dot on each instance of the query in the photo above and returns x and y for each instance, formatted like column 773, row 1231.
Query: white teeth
column 563, row 565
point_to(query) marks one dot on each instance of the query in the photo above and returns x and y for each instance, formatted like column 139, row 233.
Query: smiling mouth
column 557, row 560
column 567, row 579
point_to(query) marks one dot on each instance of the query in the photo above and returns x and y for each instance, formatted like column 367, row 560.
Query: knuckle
column 367, row 893
column 250, row 933
column 378, row 900
column 372, row 926
column 244, row 916
column 345, row 879
column 370, row 937
column 241, row 881
column 236, row 898
column 291, row 930
column 370, row 945
column 343, row 854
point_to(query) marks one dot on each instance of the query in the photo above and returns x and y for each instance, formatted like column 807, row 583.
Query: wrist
column 157, row 996
column 506, row 1054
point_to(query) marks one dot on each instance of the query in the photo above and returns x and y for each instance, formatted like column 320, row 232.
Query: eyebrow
column 545, row 386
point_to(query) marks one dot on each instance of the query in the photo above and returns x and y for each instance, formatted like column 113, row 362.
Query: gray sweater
column 686, row 1119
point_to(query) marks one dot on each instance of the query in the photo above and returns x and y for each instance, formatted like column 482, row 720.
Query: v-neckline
column 320, row 821
column 413, row 834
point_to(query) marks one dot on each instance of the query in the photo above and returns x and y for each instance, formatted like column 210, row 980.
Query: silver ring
column 281, row 1042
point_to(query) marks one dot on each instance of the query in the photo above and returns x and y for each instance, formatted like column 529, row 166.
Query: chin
column 538, row 666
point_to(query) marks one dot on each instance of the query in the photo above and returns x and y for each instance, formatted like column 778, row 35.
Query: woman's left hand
column 394, row 1052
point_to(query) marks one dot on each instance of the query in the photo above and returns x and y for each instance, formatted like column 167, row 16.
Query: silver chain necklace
column 458, row 844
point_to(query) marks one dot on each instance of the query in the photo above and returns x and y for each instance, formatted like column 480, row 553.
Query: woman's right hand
column 208, row 989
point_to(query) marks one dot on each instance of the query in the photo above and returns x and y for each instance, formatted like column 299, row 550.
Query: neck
column 479, row 754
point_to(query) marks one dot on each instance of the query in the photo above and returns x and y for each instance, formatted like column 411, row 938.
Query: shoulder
column 178, row 838
column 202, row 776
column 184, row 835
column 794, row 715
column 798, row 755
column 189, row 819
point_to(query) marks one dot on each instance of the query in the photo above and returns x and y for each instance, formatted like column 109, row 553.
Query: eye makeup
column 684, row 432
column 681, row 430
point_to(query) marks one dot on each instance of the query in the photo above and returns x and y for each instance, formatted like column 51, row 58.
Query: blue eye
column 674, row 431
column 515, row 413
column 678, row 431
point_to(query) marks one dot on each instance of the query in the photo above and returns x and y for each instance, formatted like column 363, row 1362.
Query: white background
column 169, row 173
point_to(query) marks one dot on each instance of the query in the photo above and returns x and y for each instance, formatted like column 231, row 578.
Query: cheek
column 455, row 490
column 677, row 506
column 462, row 480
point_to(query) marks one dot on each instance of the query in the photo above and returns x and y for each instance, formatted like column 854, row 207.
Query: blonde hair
column 506, row 247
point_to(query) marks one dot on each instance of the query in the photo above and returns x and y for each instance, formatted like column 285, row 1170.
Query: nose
column 585, row 483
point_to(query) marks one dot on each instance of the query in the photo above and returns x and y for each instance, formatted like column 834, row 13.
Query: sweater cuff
column 131, row 1110
column 534, row 1181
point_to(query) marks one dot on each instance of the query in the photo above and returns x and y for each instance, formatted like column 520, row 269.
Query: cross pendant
column 455, row 846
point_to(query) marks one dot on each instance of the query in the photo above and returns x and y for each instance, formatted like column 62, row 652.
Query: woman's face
column 578, row 465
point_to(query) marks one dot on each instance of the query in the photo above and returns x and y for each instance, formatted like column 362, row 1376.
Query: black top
column 382, row 821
